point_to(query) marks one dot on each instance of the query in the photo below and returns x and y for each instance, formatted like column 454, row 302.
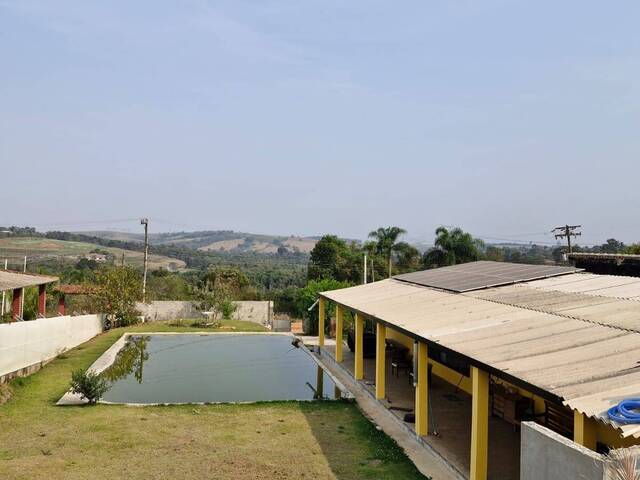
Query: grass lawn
column 282, row 440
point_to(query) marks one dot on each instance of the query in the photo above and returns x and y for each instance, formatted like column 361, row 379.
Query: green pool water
column 215, row 368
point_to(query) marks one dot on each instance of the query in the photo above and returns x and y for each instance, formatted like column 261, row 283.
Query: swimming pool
column 214, row 368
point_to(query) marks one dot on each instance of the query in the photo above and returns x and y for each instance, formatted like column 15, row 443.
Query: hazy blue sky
column 307, row 117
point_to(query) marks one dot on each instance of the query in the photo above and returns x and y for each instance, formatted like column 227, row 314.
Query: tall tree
column 407, row 258
column 387, row 242
column 332, row 257
column 452, row 247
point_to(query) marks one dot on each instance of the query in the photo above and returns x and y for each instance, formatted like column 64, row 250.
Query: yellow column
column 584, row 430
column 359, row 362
column 321, row 308
column 381, row 360
column 479, row 424
column 339, row 327
column 422, row 391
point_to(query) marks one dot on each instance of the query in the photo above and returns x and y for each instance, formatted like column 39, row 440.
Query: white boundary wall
column 545, row 455
column 28, row 344
column 250, row 311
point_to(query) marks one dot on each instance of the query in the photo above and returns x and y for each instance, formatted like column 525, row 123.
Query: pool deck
column 428, row 461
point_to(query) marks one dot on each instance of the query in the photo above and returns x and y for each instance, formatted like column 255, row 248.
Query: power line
column 567, row 232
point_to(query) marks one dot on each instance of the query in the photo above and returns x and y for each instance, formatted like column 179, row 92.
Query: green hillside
column 217, row 241
column 40, row 250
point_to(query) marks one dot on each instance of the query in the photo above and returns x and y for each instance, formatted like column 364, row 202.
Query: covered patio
column 449, row 416
column 486, row 347
column 16, row 282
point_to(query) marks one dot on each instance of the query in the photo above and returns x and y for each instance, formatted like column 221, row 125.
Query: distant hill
column 39, row 250
column 217, row 241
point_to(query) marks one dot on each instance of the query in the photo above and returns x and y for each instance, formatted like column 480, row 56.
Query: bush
column 90, row 386
column 305, row 297
column 228, row 308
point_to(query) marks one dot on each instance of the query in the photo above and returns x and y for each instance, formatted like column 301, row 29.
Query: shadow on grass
column 353, row 446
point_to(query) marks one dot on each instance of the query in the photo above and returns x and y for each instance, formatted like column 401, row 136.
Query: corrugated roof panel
column 612, row 286
column 611, row 311
column 10, row 280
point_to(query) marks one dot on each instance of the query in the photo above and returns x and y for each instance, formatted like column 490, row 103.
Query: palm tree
column 387, row 241
column 452, row 247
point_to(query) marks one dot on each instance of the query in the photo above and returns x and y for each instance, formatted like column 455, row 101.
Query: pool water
column 215, row 368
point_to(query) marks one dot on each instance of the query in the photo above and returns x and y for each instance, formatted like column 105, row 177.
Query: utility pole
column 145, row 222
column 567, row 231
column 3, row 292
column 373, row 272
column 364, row 276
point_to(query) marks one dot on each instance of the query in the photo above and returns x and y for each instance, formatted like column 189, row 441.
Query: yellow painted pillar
column 359, row 361
column 381, row 359
column 479, row 424
column 584, row 430
column 339, row 328
column 422, row 391
column 321, row 315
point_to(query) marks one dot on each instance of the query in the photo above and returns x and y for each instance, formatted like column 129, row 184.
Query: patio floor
column 450, row 416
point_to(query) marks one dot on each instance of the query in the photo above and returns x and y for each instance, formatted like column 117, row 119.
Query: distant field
column 304, row 245
column 217, row 241
column 39, row 249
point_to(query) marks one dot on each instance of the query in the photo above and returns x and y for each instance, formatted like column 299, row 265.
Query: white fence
column 27, row 345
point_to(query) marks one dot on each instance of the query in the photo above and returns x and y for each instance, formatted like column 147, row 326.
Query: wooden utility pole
column 567, row 231
column 145, row 222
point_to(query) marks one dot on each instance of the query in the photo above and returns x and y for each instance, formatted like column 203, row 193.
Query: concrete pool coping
column 107, row 359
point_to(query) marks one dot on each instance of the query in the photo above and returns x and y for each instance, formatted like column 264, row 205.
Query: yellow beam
column 321, row 315
column 359, row 361
column 381, row 360
column 584, row 430
column 339, row 328
column 422, row 391
column 479, row 424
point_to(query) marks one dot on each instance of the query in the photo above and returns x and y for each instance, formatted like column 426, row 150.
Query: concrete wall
column 168, row 310
column 545, row 455
column 25, row 346
column 259, row 312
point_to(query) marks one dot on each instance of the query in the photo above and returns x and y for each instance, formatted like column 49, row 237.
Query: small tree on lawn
column 118, row 289
column 90, row 386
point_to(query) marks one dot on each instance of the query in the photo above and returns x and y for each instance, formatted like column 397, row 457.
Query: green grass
column 281, row 440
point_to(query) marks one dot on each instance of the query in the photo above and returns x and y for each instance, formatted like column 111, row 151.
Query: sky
column 506, row 118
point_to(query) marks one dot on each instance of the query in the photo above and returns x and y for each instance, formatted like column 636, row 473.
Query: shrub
column 90, row 386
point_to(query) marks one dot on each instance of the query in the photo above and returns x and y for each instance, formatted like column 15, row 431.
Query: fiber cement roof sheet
column 613, row 286
column 610, row 311
column 10, row 280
